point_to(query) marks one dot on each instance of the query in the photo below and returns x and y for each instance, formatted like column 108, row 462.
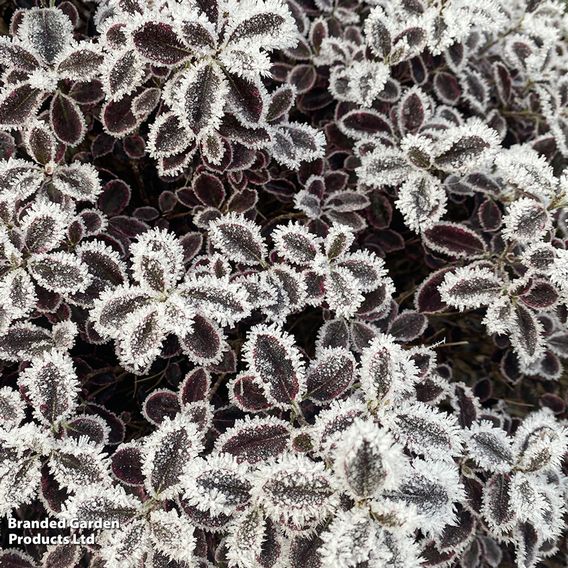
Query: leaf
column 200, row 99
column 12, row 408
column 24, row 341
column 16, row 56
column 168, row 136
column 295, row 489
column 160, row 404
column 454, row 240
column 118, row 118
column 18, row 104
column 295, row 244
column 205, row 344
column 79, row 181
column 246, row 99
column 367, row 460
column 526, row 335
column 48, row 31
column 330, row 375
column 255, row 440
column 470, row 287
column 59, row 272
column 408, row 326
column 40, row 143
column 497, row 508
column 247, row 393
column 126, row 464
column 195, row 387
column 80, row 64
column 218, row 485
column 166, row 452
column 160, row 44
column 413, row 111
column 122, row 74
column 171, row 535
column 490, row 447
column 280, row 103
column 67, row 120
column 238, row 238
column 272, row 356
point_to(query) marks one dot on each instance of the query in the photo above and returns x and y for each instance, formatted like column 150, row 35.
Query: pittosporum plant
column 284, row 283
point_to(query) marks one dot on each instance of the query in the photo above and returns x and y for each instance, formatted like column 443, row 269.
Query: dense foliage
column 284, row 283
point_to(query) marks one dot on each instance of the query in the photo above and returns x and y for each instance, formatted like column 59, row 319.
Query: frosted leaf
column 295, row 490
column 18, row 104
column 526, row 335
column 225, row 302
column 123, row 72
column 44, row 226
column 163, row 254
column 51, row 386
column 16, row 56
column 79, row 181
column 470, row 287
column 40, row 142
column 172, row 535
column 433, row 488
column 342, row 292
column 295, row 244
column 387, row 371
column 463, row 148
column 414, row 109
column 12, row 408
column 367, row 460
column 77, row 463
column 79, row 63
column 24, row 341
column 497, row 508
column 140, row 340
column 205, row 343
column 17, row 293
column 48, row 31
column 490, row 447
column 526, row 221
column 422, row 201
column 168, row 136
column 200, row 100
column 166, row 453
column 115, row 307
column 255, row 440
column 524, row 169
column 218, row 485
column 245, row 538
column 540, row 442
column 425, row 431
column 273, row 357
column 294, row 143
column 383, row 166
column 262, row 23
column 367, row 268
column 330, row 375
column 160, row 44
column 238, row 238
column 60, row 272
column 526, row 500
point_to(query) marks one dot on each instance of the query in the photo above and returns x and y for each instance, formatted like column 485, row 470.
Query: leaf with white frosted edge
column 18, row 104
column 353, row 539
column 470, row 287
column 296, row 244
column 387, row 370
column 238, row 238
column 80, row 63
column 330, row 375
column 116, row 306
column 245, row 538
column 166, row 452
column 77, row 463
column 433, row 488
column 17, row 293
column 497, row 509
column 272, row 355
column 526, row 335
column 524, row 168
column 526, row 500
column 255, row 440
column 288, row 293
column 125, row 546
column 383, row 166
column 13, row 55
column 342, row 292
column 308, row 143
column 422, row 201
column 44, row 226
column 24, row 341
column 51, row 386
column 223, row 301
column 261, row 23
column 40, row 142
column 157, row 259
column 218, row 484
column 414, row 109
column 490, row 447
column 61, row 556
column 425, row 431
column 205, row 343
column 333, row 421
column 367, row 460
column 12, row 408
column 367, row 268
column 123, row 72
column 540, row 442
column 200, row 100
column 465, row 147
column 59, row 272
column 526, row 221
column 48, row 31
column 295, row 489
column 140, row 340
column 172, row 535
column 168, row 136
column 160, row 44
